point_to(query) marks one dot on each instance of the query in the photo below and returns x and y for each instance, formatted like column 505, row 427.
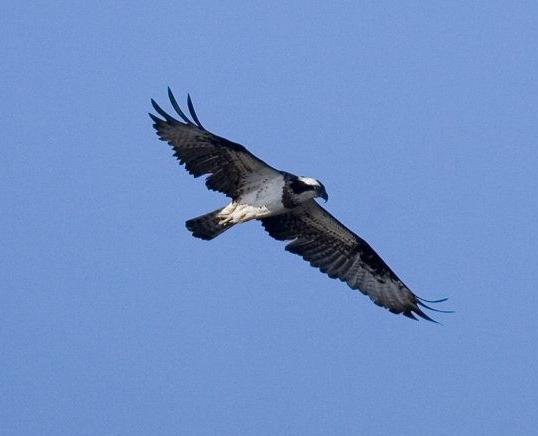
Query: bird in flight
column 286, row 206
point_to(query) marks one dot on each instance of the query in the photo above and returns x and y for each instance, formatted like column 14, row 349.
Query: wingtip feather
column 433, row 301
column 420, row 313
column 410, row 315
column 176, row 107
column 420, row 303
column 162, row 113
column 193, row 112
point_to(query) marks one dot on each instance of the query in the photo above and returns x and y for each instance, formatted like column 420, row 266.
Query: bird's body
column 285, row 204
column 272, row 195
column 262, row 200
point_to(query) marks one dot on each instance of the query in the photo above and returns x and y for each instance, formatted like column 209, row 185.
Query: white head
column 306, row 187
column 309, row 181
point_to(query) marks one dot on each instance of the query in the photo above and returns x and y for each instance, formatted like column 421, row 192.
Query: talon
column 225, row 220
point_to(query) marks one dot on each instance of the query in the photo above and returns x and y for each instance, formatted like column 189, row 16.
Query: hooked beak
column 323, row 194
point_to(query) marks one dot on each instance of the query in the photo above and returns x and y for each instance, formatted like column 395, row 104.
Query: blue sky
column 421, row 121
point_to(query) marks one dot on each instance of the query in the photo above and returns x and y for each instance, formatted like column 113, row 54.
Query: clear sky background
column 419, row 117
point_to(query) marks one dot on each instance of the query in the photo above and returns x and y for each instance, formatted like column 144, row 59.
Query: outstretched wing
column 230, row 165
column 327, row 244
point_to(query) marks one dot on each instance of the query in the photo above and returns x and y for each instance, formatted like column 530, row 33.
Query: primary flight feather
column 286, row 206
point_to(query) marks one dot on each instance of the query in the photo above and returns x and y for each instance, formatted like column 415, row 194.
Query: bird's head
column 313, row 186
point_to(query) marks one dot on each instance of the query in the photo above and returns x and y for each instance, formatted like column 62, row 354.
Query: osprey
column 285, row 204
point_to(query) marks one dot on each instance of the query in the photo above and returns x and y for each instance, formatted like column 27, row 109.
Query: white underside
column 239, row 213
column 265, row 199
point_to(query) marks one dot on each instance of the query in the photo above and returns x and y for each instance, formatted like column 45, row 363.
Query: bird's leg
column 238, row 213
column 227, row 213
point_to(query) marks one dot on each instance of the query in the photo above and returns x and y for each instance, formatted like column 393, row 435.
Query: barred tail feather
column 207, row 226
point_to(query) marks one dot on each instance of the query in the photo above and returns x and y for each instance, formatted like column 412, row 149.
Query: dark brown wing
column 327, row 244
column 229, row 164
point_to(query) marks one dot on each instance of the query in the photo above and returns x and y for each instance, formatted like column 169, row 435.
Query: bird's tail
column 207, row 226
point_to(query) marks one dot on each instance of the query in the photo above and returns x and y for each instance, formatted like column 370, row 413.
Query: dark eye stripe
column 299, row 187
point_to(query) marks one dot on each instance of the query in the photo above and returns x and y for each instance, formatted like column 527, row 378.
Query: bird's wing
column 229, row 164
column 327, row 244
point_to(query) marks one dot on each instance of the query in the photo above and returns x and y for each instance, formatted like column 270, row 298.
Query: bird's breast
column 265, row 193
